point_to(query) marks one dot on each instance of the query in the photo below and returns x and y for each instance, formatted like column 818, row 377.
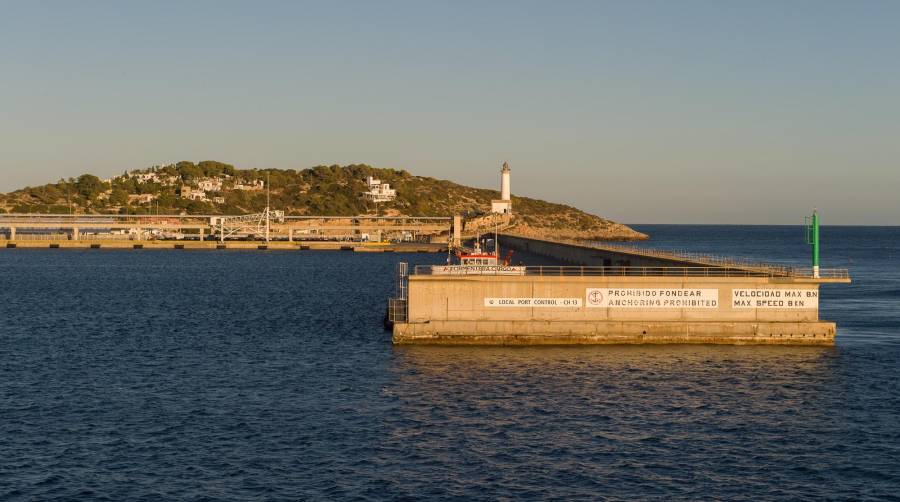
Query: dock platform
column 641, row 298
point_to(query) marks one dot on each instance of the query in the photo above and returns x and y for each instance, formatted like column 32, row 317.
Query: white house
column 193, row 194
column 210, row 185
column 378, row 191
column 145, row 177
column 251, row 185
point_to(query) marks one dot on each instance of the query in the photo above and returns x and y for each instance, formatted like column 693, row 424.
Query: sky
column 747, row 112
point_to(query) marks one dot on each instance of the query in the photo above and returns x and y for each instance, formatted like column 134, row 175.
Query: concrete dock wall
column 214, row 245
column 612, row 309
column 611, row 332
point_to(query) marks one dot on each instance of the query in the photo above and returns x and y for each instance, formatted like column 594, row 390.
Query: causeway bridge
column 270, row 230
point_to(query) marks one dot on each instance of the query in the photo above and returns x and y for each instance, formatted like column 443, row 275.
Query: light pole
column 497, row 240
column 268, row 198
column 812, row 238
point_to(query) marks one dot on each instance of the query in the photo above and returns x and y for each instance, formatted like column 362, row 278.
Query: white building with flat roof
column 210, row 185
column 378, row 191
column 250, row 185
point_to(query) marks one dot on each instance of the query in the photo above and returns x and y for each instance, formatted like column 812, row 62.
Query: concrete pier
column 614, row 295
column 597, row 309
column 290, row 228
column 58, row 231
column 86, row 243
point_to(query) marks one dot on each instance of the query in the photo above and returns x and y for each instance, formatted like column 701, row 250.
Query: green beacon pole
column 815, row 243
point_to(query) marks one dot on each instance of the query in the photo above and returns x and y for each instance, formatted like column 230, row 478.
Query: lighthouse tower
column 504, row 205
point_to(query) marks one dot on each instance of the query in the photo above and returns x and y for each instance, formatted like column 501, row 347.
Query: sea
column 267, row 375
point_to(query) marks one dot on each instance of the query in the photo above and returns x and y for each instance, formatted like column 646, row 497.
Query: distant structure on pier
column 378, row 191
column 504, row 205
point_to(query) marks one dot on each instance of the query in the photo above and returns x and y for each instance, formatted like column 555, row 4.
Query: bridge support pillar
column 12, row 233
column 457, row 230
column 201, row 234
column 290, row 235
column 75, row 234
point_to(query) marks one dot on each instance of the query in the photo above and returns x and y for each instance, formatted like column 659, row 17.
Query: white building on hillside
column 193, row 194
column 146, row 177
column 378, row 191
column 210, row 185
column 252, row 185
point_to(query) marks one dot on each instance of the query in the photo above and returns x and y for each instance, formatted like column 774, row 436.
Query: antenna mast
column 268, row 199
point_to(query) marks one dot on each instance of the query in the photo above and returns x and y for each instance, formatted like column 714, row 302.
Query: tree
column 188, row 170
column 199, row 207
column 88, row 186
column 215, row 168
column 118, row 197
column 166, row 199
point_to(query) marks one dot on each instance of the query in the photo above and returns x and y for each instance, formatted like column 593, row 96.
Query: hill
column 211, row 187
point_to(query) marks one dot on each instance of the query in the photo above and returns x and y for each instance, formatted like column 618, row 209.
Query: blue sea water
column 148, row 375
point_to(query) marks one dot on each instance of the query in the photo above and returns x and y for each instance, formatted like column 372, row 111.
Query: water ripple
column 266, row 376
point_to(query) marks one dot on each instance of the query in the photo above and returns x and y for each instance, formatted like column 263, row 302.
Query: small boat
column 479, row 262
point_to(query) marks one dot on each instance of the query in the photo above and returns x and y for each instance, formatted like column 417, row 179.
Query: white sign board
column 532, row 302
column 476, row 270
column 775, row 299
column 652, row 298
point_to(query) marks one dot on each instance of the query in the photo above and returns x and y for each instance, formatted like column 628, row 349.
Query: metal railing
column 824, row 273
column 43, row 219
column 372, row 217
column 398, row 307
column 65, row 237
column 596, row 271
column 675, row 254
column 397, row 310
column 93, row 218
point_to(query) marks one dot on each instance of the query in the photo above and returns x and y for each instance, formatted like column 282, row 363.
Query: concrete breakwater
column 364, row 247
column 614, row 255
column 626, row 298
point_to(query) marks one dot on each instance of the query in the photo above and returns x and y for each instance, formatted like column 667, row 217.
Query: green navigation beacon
column 812, row 238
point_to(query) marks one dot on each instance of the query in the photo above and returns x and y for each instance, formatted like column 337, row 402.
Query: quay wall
column 122, row 244
column 457, row 310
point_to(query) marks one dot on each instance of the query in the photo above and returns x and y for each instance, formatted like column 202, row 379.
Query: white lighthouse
column 504, row 205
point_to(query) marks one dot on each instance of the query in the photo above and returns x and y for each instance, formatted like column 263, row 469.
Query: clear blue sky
column 644, row 112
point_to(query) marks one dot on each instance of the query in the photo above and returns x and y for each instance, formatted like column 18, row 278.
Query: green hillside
column 321, row 190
